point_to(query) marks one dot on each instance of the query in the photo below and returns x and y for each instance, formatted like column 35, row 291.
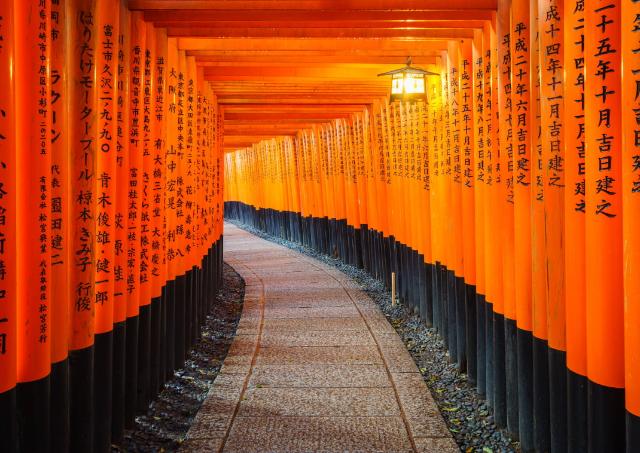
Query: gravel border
column 170, row 415
column 468, row 417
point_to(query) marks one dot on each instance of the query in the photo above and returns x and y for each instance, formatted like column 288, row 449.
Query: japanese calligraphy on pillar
column 135, row 146
column 603, row 119
column 575, row 205
column 521, row 94
column 107, row 69
column 467, row 125
column 631, row 195
column 550, row 27
column 158, row 245
column 505, row 134
column 551, row 90
column 190, row 189
column 603, row 220
column 180, row 157
column 423, row 111
column 32, row 169
column 121, row 217
column 574, row 105
column 171, row 163
column 506, row 111
column 631, row 78
column 146, row 223
column 44, row 121
column 60, row 183
column 478, row 107
column 520, row 97
column 83, row 167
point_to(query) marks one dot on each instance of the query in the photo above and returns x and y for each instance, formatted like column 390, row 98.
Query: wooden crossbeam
column 311, row 5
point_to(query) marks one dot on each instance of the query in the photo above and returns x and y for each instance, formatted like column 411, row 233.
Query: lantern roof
column 408, row 69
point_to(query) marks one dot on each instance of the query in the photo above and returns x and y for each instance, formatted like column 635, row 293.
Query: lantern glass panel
column 414, row 84
column 397, row 84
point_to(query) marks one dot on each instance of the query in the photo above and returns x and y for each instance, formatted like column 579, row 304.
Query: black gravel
column 467, row 415
column 170, row 415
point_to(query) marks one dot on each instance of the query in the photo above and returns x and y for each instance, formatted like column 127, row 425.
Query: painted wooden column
column 8, row 239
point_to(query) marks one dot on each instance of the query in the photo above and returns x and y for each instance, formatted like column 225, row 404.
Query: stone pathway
column 315, row 367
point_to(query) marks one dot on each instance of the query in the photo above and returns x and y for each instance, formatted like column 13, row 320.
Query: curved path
column 314, row 367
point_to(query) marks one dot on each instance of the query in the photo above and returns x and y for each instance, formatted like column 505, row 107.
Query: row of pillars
column 110, row 219
column 508, row 206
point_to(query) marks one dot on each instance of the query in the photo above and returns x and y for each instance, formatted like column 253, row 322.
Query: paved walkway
column 315, row 367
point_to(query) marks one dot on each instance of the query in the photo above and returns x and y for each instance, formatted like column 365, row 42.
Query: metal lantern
column 408, row 83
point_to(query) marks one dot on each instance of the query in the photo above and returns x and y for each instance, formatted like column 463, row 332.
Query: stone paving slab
column 316, row 338
column 318, row 324
column 319, row 402
column 308, row 302
column 318, row 434
column 314, row 367
column 306, row 355
column 311, row 312
column 319, row 376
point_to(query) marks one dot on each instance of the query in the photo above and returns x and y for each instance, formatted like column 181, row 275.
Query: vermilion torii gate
column 508, row 206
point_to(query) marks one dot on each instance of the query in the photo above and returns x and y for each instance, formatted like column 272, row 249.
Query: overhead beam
column 309, row 116
column 240, row 141
column 289, row 123
column 265, row 98
column 282, row 32
column 330, row 5
column 347, row 71
column 318, row 66
column 205, row 58
column 197, row 21
column 274, row 108
column 269, row 107
column 312, row 44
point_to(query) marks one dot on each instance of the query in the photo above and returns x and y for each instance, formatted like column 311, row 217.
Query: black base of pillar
column 103, row 373
column 9, row 428
column 60, row 423
column 33, row 415
column 81, row 389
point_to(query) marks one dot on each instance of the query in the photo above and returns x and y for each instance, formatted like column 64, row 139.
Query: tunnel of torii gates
column 508, row 205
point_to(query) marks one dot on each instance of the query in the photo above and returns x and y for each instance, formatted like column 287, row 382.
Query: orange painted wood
column 147, row 133
column 631, row 198
column 506, row 143
column 311, row 58
column 158, row 177
column 204, row 19
column 478, row 82
column 552, row 64
column 574, row 203
column 425, row 186
column 61, row 260
column 539, row 279
column 205, row 31
column 521, row 98
column 309, row 5
column 603, row 228
column 494, row 170
column 83, row 140
column 121, row 220
column 8, row 290
column 107, row 29
column 368, row 17
column 312, row 44
column 136, row 149
column 468, row 159
column 32, row 167
column 456, row 127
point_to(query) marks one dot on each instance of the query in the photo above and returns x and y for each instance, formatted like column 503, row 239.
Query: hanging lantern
column 408, row 83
